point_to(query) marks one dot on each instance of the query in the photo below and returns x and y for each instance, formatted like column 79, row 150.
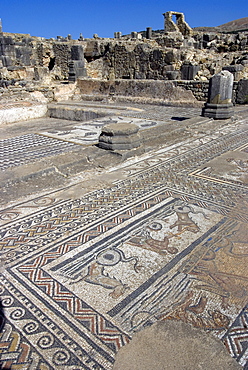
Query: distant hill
column 233, row 26
column 237, row 25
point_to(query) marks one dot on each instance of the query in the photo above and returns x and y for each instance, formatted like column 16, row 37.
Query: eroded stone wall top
column 179, row 26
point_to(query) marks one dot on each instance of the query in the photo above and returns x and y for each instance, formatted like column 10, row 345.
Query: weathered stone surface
column 77, row 52
column 75, row 114
column 117, row 35
column 189, row 71
column 76, row 64
column 220, row 88
column 218, row 111
column 174, row 345
column 179, row 26
column 242, row 92
column 118, row 146
column 25, row 112
column 120, row 59
column 165, row 90
column 219, row 104
column 236, row 70
column 62, row 53
column 23, row 57
column 64, row 92
column 148, row 32
column 81, row 38
column 6, row 61
column 114, row 129
column 119, row 136
column 172, row 75
column 76, row 70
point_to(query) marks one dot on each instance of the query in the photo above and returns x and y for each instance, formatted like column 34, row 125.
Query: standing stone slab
column 242, row 92
column 220, row 88
column 76, row 64
column 77, row 52
column 219, row 104
column 189, row 71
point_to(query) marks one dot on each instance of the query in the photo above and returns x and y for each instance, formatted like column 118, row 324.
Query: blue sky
column 52, row 18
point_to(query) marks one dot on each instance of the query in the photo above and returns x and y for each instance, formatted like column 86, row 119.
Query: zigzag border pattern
column 86, row 315
column 236, row 338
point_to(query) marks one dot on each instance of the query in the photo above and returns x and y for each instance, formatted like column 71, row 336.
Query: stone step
column 75, row 112
column 21, row 110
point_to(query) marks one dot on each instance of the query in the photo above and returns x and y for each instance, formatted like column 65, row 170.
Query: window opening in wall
column 51, row 64
column 174, row 18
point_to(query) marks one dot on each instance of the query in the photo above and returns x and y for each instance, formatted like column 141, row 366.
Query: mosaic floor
column 87, row 133
column 30, row 147
column 168, row 241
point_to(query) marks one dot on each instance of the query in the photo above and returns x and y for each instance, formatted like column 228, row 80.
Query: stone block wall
column 149, row 59
column 242, row 93
column 176, row 90
column 14, row 53
column 22, row 52
column 31, row 59
column 198, row 88
column 62, row 54
column 140, row 62
column 189, row 91
column 145, row 90
column 13, row 91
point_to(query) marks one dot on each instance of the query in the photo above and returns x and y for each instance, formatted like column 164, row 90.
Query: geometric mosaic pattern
column 29, row 148
column 86, row 133
column 165, row 242
column 236, row 338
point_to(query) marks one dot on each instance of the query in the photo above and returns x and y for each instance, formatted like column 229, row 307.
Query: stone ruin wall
column 23, row 57
column 179, row 53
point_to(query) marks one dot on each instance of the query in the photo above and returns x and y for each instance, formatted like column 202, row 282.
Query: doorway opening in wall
column 51, row 64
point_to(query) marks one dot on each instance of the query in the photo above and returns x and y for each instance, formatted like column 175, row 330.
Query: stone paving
column 162, row 237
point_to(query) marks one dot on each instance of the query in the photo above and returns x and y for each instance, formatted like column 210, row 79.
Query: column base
column 218, row 111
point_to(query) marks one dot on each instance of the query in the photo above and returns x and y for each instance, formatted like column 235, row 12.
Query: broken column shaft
column 219, row 104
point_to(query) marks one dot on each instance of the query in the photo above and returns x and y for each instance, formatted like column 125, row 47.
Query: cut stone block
column 119, row 136
column 218, row 111
column 242, row 92
column 189, row 71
